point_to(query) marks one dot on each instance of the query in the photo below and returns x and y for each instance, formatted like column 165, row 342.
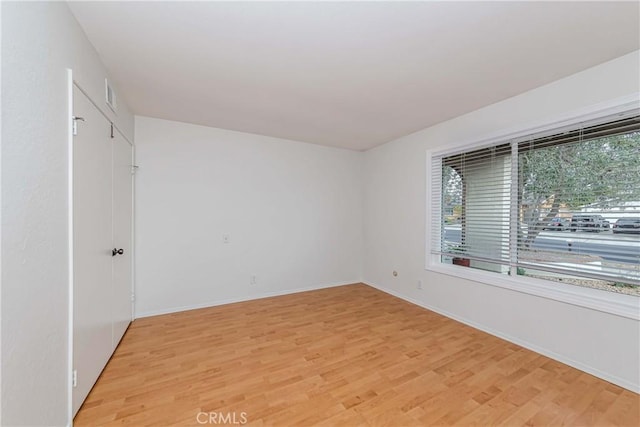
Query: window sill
column 607, row 302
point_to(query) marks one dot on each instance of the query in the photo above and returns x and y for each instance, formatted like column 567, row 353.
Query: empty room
column 306, row 213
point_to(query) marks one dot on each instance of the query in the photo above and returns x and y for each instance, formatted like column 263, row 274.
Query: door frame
column 70, row 248
column 70, row 229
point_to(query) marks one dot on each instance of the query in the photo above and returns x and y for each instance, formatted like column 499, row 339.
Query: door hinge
column 134, row 169
column 112, row 131
column 74, row 378
column 133, row 297
column 74, row 121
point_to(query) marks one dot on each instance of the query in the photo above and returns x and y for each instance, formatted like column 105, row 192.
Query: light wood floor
column 343, row 356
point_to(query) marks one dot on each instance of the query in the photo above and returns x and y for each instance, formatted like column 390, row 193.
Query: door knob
column 115, row 252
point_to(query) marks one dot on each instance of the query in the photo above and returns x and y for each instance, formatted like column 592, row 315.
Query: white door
column 122, row 210
column 92, row 245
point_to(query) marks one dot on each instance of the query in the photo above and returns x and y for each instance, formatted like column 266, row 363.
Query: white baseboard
column 239, row 299
column 629, row 385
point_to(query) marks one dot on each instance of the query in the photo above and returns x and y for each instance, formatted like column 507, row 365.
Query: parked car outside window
column 558, row 224
column 627, row 225
column 594, row 223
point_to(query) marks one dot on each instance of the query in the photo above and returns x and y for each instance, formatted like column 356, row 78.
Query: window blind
column 565, row 203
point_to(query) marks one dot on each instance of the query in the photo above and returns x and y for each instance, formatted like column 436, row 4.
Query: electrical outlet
column 419, row 285
column 226, row 238
column 253, row 279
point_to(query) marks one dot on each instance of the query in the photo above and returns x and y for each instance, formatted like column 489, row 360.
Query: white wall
column 293, row 212
column 394, row 223
column 39, row 42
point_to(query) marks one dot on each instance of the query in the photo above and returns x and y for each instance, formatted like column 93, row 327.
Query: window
column 562, row 206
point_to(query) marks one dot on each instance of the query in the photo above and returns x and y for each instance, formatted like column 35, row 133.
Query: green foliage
column 603, row 172
column 455, row 249
column 599, row 171
column 624, row 285
column 452, row 186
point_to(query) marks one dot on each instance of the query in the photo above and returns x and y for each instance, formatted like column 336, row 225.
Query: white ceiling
column 345, row 74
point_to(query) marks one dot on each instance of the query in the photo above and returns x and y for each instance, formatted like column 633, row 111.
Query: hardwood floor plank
column 344, row 356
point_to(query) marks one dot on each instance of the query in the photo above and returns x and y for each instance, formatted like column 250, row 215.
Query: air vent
column 110, row 96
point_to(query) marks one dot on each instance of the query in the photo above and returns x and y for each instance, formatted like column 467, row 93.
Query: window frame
column 605, row 301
